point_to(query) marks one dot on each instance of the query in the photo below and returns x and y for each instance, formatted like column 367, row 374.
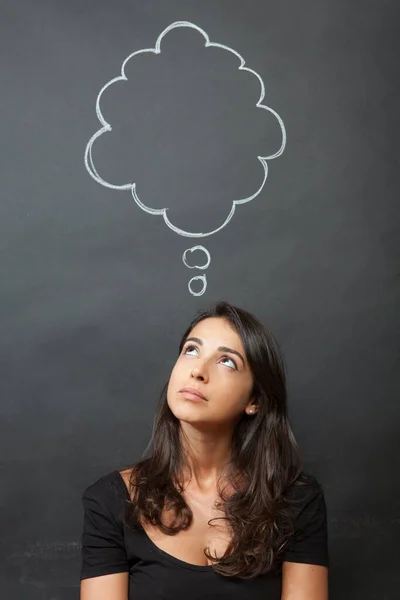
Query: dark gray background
column 94, row 292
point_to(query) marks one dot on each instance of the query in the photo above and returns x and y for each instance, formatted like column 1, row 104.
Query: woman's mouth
column 193, row 395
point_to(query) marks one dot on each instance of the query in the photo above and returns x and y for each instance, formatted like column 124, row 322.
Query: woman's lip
column 191, row 396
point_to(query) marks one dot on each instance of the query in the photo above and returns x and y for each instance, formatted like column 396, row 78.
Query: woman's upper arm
column 302, row 581
column 306, row 560
column 104, row 566
column 105, row 587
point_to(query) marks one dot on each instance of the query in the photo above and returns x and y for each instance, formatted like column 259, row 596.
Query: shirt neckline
column 170, row 557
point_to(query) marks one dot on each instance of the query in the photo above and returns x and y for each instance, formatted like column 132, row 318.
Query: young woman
column 218, row 506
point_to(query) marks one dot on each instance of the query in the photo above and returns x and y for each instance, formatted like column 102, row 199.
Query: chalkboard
column 158, row 156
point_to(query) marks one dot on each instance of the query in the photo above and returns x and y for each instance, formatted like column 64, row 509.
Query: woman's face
column 213, row 362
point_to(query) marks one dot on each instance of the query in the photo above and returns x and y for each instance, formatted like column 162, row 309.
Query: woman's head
column 230, row 357
column 212, row 360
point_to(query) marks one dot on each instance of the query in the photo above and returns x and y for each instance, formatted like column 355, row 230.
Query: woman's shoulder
column 109, row 487
column 127, row 475
column 306, row 481
column 307, row 500
column 304, row 489
column 127, row 478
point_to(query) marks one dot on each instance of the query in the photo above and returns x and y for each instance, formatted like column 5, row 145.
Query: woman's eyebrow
column 220, row 348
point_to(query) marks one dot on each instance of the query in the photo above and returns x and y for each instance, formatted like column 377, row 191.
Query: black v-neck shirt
column 110, row 546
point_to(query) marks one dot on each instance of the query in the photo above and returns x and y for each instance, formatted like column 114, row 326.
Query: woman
column 218, row 506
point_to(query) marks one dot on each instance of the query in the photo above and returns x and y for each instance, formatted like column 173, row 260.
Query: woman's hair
column 265, row 461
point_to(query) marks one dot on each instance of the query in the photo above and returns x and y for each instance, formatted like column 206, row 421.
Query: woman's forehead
column 218, row 331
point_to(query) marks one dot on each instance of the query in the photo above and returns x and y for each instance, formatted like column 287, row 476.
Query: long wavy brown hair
column 265, row 462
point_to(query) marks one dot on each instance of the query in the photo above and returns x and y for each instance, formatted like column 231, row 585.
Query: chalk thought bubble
column 168, row 115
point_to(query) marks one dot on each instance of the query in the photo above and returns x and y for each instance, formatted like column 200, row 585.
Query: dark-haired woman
column 219, row 505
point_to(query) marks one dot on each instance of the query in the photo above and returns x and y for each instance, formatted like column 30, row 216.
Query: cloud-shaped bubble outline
column 132, row 186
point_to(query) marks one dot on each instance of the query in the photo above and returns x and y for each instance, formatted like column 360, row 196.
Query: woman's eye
column 186, row 350
column 189, row 348
column 232, row 361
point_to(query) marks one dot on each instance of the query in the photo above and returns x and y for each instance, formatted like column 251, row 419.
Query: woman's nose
column 198, row 373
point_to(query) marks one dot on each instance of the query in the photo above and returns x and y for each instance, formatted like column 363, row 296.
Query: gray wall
column 94, row 294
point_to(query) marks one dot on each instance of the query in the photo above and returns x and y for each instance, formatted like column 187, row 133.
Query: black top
column 110, row 546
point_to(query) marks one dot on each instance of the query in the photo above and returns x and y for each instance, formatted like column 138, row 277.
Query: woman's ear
column 251, row 408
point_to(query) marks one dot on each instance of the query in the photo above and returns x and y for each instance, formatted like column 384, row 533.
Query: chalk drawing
column 201, row 278
column 106, row 127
